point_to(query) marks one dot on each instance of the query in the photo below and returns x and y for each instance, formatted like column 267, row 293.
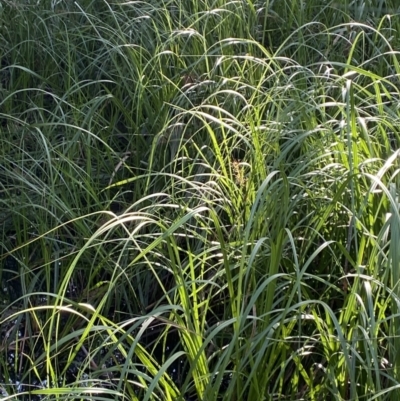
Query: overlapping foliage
column 199, row 200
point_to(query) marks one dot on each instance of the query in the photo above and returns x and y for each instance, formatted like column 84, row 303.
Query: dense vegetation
column 199, row 200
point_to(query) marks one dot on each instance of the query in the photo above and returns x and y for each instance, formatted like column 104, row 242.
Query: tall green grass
column 199, row 200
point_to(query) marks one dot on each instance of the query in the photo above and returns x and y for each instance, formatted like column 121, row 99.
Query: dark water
column 18, row 377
